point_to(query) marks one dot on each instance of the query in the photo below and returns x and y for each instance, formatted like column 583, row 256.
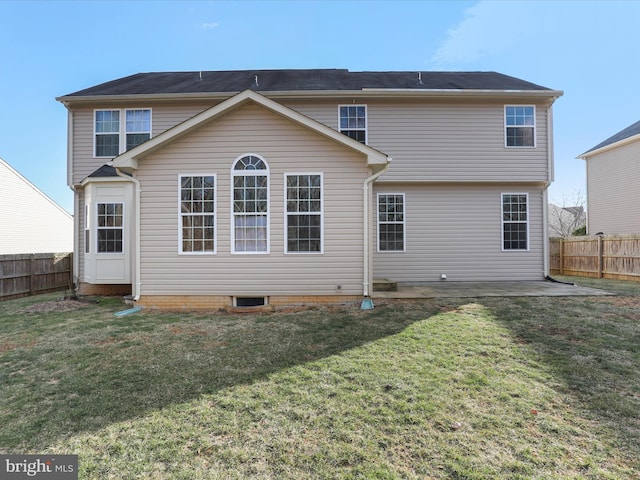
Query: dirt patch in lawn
column 63, row 305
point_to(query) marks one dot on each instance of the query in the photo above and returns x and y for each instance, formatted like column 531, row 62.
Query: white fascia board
column 611, row 146
column 295, row 94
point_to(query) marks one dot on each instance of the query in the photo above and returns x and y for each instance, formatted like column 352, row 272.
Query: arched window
column 250, row 198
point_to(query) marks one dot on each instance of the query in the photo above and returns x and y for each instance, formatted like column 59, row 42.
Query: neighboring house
column 30, row 222
column 613, row 182
column 564, row 221
column 212, row 189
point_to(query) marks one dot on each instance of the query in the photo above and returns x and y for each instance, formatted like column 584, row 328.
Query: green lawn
column 507, row 388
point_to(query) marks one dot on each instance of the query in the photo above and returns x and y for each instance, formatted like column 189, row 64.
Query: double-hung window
column 110, row 227
column 391, row 222
column 118, row 130
column 520, row 125
column 304, row 213
column 250, row 198
column 515, row 221
column 353, row 121
column 197, row 214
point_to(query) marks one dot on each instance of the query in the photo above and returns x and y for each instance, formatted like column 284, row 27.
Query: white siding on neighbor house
column 613, row 185
column 30, row 222
column 445, row 142
column 287, row 148
column 456, row 230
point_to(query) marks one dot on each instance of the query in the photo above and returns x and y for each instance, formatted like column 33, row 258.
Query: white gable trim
column 611, row 146
column 129, row 160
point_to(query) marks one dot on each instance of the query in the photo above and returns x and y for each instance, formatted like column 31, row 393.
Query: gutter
column 367, row 215
column 69, row 100
column 136, row 283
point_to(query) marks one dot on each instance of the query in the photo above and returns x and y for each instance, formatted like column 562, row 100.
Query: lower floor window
column 391, row 222
column 110, row 227
column 515, row 221
column 197, row 213
column 304, row 213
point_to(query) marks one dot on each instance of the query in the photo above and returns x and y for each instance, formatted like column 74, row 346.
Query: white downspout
column 76, row 200
column 367, row 215
column 76, row 237
column 545, row 193
column 136, row 283
column 545, row 231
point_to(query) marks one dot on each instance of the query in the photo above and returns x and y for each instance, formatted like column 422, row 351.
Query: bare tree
column 567, row 215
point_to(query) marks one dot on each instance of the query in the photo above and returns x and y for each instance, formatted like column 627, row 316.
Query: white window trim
column 534, row 126
column 232, row 214
column 404, row 222
column 215, row 213
column 321, row 213
column 96, row 227
column 366, row 120
column 502, row 222
column 122, row 133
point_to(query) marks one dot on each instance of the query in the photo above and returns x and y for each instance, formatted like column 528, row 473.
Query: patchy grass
column 513, row 388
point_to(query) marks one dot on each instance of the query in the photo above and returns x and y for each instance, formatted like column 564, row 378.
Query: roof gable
column 129, row 160
column 627, row 134
column 18, row 183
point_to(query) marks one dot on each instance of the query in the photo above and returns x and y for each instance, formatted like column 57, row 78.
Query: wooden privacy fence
column 616, row 257
column 23, row 275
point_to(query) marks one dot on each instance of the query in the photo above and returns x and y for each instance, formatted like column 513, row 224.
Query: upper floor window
column 391, row 222
column 353, row 122
column 304, row 213
column 515, row 221
column 110, row 227
column 197, row 214
column 113, row 136
column 520, row 125
column 250, row 175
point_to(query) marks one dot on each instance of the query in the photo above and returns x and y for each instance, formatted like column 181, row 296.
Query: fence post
column 32, row 274
column 561, row 256
column 600, row 257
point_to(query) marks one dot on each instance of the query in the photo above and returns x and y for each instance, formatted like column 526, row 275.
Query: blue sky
column 48, row 49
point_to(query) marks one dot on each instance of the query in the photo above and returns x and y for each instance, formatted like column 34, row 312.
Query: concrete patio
column 541, row 288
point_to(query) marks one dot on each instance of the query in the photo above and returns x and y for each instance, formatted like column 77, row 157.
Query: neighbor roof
column 630, row 131
column 158, row 83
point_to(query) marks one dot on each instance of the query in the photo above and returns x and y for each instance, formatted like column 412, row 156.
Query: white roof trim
column 611, row 146
column 129, row 159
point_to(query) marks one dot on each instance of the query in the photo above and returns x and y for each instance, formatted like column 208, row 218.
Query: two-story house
column 212, row 189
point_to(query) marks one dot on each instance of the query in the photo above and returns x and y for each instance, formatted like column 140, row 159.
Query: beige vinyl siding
column 445, row 142
column 163, row 117
column 613, row 183
column 428, row 140
column 456, row 230
column 287, row 148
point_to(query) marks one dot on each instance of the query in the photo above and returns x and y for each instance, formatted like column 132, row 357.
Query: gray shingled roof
column 628, row 132
column 301, row 80
column 105, row 171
